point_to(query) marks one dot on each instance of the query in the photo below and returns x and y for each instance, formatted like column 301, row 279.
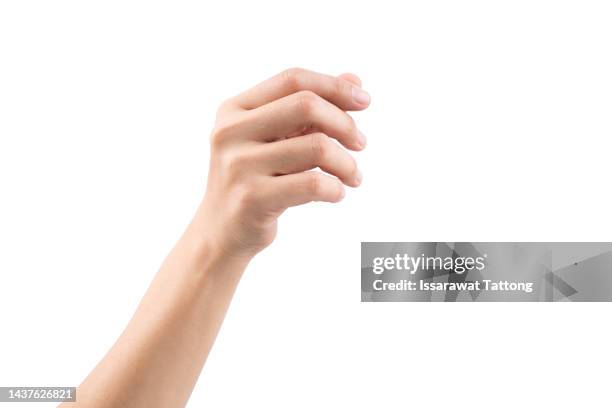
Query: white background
column 490, row 121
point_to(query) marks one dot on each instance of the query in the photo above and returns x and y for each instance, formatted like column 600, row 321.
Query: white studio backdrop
column 490, row 121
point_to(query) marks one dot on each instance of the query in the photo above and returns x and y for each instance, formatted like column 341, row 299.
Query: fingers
column 341, row 91
column 295, row 189
column 307, row 152
column 354, row 79
column 299, row 113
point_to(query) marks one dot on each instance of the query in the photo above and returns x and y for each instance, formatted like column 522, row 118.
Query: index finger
column 341, row 92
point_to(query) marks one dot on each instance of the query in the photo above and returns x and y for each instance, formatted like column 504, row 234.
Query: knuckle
column 224, row 130
column 319, row 144
column 353, row 166
column 219, row 134
column 314, row 184
column 341, row 88
column 292, row 77
column 224, row 106
column 236, row 162
column 307, row 102
column 351, row 126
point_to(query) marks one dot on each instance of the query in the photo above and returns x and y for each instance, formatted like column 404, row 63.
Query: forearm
column 156, row 361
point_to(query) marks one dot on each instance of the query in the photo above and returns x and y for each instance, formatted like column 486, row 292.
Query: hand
column 263, row 145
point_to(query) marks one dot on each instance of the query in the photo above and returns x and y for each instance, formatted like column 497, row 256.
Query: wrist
column 227, row 232
column 208, row 254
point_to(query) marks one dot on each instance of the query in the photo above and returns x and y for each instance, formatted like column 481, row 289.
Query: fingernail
column 360, row 96
column 361, row 139
column 358, row 177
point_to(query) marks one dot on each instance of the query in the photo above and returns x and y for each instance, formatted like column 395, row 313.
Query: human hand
column 263, row 145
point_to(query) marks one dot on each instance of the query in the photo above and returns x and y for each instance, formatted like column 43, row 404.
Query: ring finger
column 307, row 152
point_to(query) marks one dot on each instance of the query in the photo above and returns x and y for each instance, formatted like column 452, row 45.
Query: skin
column 265, row 145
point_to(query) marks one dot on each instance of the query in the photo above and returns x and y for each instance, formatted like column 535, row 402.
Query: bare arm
column 264, row 144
